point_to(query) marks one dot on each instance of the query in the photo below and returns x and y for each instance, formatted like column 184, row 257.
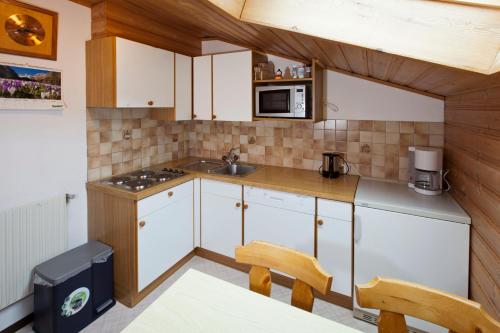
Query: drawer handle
column 245, row 206
column 150, row 103
column 170, row 194
column 238, row 205
column 320, row 222
column 142, row 224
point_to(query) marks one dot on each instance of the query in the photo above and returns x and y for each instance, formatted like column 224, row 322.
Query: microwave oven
column 283, row 101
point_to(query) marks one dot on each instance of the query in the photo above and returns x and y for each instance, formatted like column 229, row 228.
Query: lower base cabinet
column 221, row 217
column 164, row 233
column 334, row 243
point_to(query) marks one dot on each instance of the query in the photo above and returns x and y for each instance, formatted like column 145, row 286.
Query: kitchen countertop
column 306, row 182
column 402, row 199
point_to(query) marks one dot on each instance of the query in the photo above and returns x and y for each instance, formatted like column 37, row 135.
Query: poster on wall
column 29, row 88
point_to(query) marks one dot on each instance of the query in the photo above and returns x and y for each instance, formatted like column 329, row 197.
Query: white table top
column 198, row 302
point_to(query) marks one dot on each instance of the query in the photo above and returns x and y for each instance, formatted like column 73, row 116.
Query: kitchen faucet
column 231, row 156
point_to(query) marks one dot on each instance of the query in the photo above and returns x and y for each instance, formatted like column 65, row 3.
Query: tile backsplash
column 122, row 140
column 376, row 149
column 128, row 139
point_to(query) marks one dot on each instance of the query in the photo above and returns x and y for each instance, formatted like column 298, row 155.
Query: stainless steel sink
column 234, row 169
column 219, row 167
column 203, row 165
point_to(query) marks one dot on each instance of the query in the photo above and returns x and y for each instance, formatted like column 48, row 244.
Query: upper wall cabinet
column 223, row 87
column 183, row 87
column 232, row 86
column 126, row 74
column 202, row 87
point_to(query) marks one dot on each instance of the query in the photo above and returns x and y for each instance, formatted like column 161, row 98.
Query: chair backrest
column 395, row 298
column 306, row 269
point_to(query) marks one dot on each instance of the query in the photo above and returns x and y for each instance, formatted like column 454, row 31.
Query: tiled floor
column 120, row 316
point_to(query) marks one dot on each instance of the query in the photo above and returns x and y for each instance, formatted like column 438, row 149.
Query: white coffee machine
column 426, row 174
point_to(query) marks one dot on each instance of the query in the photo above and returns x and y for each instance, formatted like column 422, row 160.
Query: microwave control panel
column 300, row 99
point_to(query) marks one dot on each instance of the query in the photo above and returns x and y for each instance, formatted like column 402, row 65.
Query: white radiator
column 29, row 235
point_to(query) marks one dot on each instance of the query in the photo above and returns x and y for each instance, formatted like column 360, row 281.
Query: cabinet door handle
column 194, row 116
column 142, row 224
column 150, row 103
column 238, row 205
column 320, row 222
column 214, row 116
column 170, row 194
column 245, row 206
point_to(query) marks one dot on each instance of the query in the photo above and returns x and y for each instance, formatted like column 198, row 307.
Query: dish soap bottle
column 278, row 75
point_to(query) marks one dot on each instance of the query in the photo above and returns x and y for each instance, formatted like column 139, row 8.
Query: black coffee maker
column 331, row 165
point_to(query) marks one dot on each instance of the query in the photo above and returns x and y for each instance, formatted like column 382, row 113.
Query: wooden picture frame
column 42, row 36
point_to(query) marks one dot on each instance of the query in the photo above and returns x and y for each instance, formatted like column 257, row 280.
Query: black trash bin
column 73, row 289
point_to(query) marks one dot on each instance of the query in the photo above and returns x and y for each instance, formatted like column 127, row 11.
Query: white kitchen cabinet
column 183, row 87
column 144, row 75
column 334, row 243
column 164, row 231
column 232, row 86
column 197, row 212
column 202, row 87
column 281, row 218
column 221, row 217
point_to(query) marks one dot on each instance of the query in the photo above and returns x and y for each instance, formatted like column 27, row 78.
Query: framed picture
column 27, row 30
column 26, row 87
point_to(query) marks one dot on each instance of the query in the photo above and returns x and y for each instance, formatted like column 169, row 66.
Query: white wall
column 43, row 153
column 349, row 97
column 352, row 98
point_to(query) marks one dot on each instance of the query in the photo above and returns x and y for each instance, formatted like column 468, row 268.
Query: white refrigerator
column 401, row 234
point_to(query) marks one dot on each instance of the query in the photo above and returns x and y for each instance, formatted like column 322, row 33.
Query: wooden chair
column 306, row 270
column 395, row 298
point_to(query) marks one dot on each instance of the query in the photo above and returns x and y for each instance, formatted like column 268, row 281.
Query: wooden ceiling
column 180, row 25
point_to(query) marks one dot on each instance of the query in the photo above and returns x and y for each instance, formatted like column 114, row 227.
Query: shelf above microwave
column 307, row 79
column 316, row 82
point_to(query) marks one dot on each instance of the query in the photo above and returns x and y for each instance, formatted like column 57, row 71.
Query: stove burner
column 177, row 172
column 143, row 174
column 162, row 177
column 138, row 184
column 119, row 180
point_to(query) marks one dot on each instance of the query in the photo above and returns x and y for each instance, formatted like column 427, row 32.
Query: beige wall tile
column 379, row 126
column 373, row 148
column 93, row 174
column 392, row 127
column 421, row 128
column 365, row 136
column 378, row 137
column 392, row 138
column 436, row 128
column 436, row 140
column 407, row 127
column 341, row 125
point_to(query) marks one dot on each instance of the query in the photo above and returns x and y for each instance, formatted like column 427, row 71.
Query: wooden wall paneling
column 379, row 64
column 101, row 72
column 318, row 71
column 472, row 153
column 119, row 19
column 485, row 147
column 312, row 45
column 112, row 220
column 337, row 56
column 357, row 58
